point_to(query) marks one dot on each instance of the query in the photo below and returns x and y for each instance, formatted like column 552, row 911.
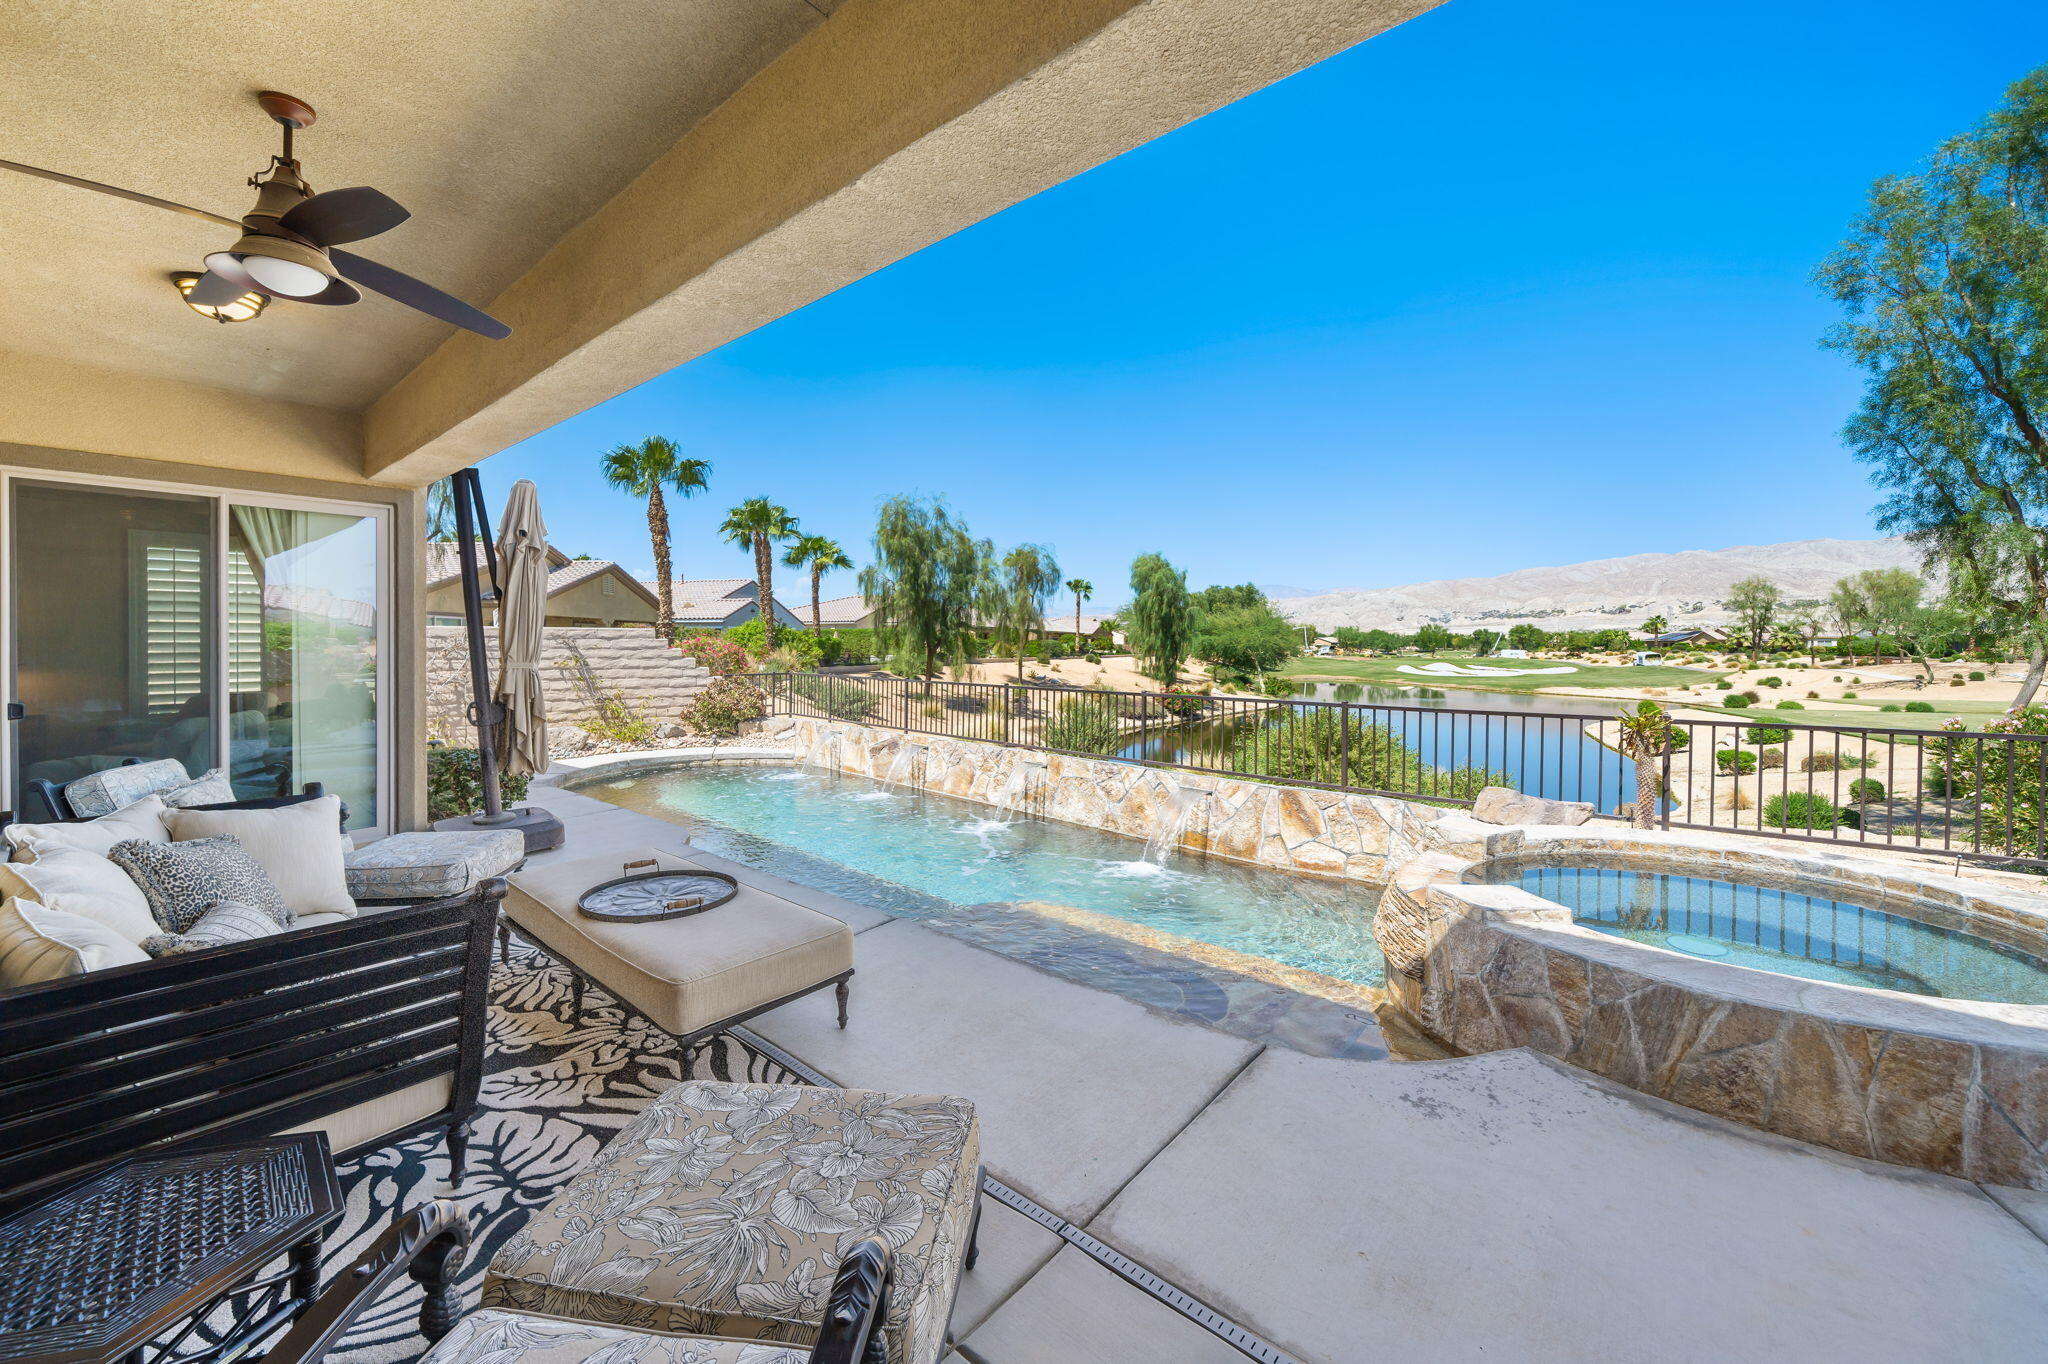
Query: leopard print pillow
column 182, row 881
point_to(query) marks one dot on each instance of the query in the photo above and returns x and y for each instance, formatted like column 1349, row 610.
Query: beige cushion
column 85, row 884
column 294, row 844
column 363, row 1123
column 492, row 1337
column 690, row 973
column 144, row 820
column 38, row 945
column 725, row 1208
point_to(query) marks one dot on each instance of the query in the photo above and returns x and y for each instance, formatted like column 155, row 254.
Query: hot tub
column 1883, row 1008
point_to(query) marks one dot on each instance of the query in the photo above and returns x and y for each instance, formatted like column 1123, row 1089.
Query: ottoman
column 692, row 975
column 723, row 1209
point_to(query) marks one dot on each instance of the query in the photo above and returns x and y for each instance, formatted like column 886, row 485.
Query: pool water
column 921, row 855
column 1786, row 932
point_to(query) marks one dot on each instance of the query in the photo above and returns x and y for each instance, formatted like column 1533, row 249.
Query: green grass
column 1870, row 718
column 1388, row 671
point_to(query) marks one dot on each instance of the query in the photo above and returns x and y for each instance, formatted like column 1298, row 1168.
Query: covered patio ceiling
column 628, row 184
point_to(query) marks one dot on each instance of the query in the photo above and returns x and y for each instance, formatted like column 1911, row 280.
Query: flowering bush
column 724, row 706
column 455, row 783
column 723, row 656
column 2005, row 778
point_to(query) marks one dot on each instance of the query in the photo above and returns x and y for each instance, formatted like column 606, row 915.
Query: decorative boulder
column 1504, row 805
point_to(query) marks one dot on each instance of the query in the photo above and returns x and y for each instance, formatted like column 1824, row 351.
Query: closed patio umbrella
column 522, row 611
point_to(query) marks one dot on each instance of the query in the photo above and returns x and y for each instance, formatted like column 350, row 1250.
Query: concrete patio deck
column 1502, row 1206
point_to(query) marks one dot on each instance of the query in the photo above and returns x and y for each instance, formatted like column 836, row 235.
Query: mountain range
column 1687, row 588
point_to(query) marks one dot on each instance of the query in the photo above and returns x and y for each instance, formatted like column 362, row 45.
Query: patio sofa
column 364, row 1022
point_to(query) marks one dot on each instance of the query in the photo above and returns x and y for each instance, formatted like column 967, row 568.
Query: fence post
column 1009, row 714
column 1664, row 788
column 1344, row 743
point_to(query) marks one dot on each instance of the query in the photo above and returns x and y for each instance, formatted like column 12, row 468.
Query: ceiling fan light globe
column 285, row 277
column 228, row 266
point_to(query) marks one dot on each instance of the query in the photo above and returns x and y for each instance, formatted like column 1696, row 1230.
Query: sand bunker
column 1463, row 670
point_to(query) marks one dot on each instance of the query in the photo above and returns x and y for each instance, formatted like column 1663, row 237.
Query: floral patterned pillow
column 182, row 881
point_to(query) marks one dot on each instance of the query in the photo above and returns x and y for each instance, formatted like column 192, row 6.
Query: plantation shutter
column 167, row 624
column 245, row 627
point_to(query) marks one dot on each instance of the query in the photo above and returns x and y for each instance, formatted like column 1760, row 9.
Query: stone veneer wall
column 1328, row 832
column 578, row 664
column 1953, row 1086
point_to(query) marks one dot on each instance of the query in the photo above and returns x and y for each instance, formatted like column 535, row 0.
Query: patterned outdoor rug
column 554, row 1091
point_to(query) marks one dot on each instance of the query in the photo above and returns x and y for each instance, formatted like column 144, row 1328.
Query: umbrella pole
column 541, row 829
column 483, row 709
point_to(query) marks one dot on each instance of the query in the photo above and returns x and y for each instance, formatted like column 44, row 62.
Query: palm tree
column 1082, row 590
column 643, row 470
column 822, row 554
column 1645, row 737
column 758, row 523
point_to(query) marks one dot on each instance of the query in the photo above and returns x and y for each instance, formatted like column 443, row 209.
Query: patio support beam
column 890, row 126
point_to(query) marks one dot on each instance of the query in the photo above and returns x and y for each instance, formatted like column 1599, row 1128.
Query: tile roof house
column 580, row 591
column 718, row 603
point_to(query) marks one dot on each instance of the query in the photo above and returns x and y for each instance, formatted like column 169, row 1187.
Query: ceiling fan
column 290, row 244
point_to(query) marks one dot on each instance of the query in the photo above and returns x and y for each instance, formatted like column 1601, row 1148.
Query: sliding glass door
column 245, row 634
column 114, row 633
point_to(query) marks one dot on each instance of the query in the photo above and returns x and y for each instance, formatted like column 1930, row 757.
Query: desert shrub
column 724, row 706
column 1976, row 676
column 1892, row 707
column 1802, row 810
column 1848, row 696
column 1766, row 734
column 1735, row 701
column 1823, row 760
column 1724, row 686
column 1863, row 790
column 1276, row 685
column 721, row 655
column 2004, row 777
column 1770, row 759
column 1813, row 696
column 1920, row 707
column 1185, row 705
column 839, row 697
column 1956, row 681
column 1771, row 682
column 455, row 783
column 1083, row 724
column 618, row 721
column 1735, row 760
column 1790, row 705
column 1838, row 677
column 1735, row 798
column 932, row 710
column 1332, row 747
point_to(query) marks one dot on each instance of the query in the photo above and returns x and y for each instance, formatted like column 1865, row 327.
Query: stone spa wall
column 1299, row 829
column 1955, row 1086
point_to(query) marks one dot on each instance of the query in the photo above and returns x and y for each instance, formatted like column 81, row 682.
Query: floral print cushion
column 106, row 791
column 489, row 1337
column 723, row 1209
column 427, row 866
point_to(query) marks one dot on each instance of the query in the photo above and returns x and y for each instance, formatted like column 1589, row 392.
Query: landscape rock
column 1505, row 805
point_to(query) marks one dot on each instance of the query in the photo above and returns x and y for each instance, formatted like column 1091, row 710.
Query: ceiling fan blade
column 417, row 294
column 120, row 193
column 213, row 290
column 344, row 215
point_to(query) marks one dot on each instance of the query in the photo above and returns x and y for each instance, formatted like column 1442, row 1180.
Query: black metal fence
column 1977, row 795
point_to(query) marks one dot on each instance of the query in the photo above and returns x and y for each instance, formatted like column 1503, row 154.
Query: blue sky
column 1509, row 285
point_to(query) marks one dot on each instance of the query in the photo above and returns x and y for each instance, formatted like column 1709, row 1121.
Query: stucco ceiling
column 499, row 126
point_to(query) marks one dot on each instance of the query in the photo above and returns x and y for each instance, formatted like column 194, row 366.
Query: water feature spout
column 1166, row 835
column 1016, row 792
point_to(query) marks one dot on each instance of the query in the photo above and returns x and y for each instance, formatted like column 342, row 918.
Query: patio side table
column 129, row 1263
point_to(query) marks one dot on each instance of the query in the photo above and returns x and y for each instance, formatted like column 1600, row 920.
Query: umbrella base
column 542, row 830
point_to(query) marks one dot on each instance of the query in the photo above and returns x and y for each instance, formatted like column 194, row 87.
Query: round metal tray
column 646, row 897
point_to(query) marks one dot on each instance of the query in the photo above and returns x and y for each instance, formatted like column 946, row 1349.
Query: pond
column 920, row 855
column 1540, row 742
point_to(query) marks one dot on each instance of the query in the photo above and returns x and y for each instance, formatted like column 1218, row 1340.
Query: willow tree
column 644, row 470
column 1025, row 582
column 760, row 525
column 928, row 582
column 1161, row 619
column 1944, row 286
column 821, row 555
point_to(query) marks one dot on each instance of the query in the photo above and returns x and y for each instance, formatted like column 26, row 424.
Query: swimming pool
column 1785, row 931
column 922, row 855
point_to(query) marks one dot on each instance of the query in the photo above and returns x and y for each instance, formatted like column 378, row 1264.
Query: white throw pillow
column 39, row 944
column 144, row 820
column 211, row 789
column 294, row 844
column 84, row 884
